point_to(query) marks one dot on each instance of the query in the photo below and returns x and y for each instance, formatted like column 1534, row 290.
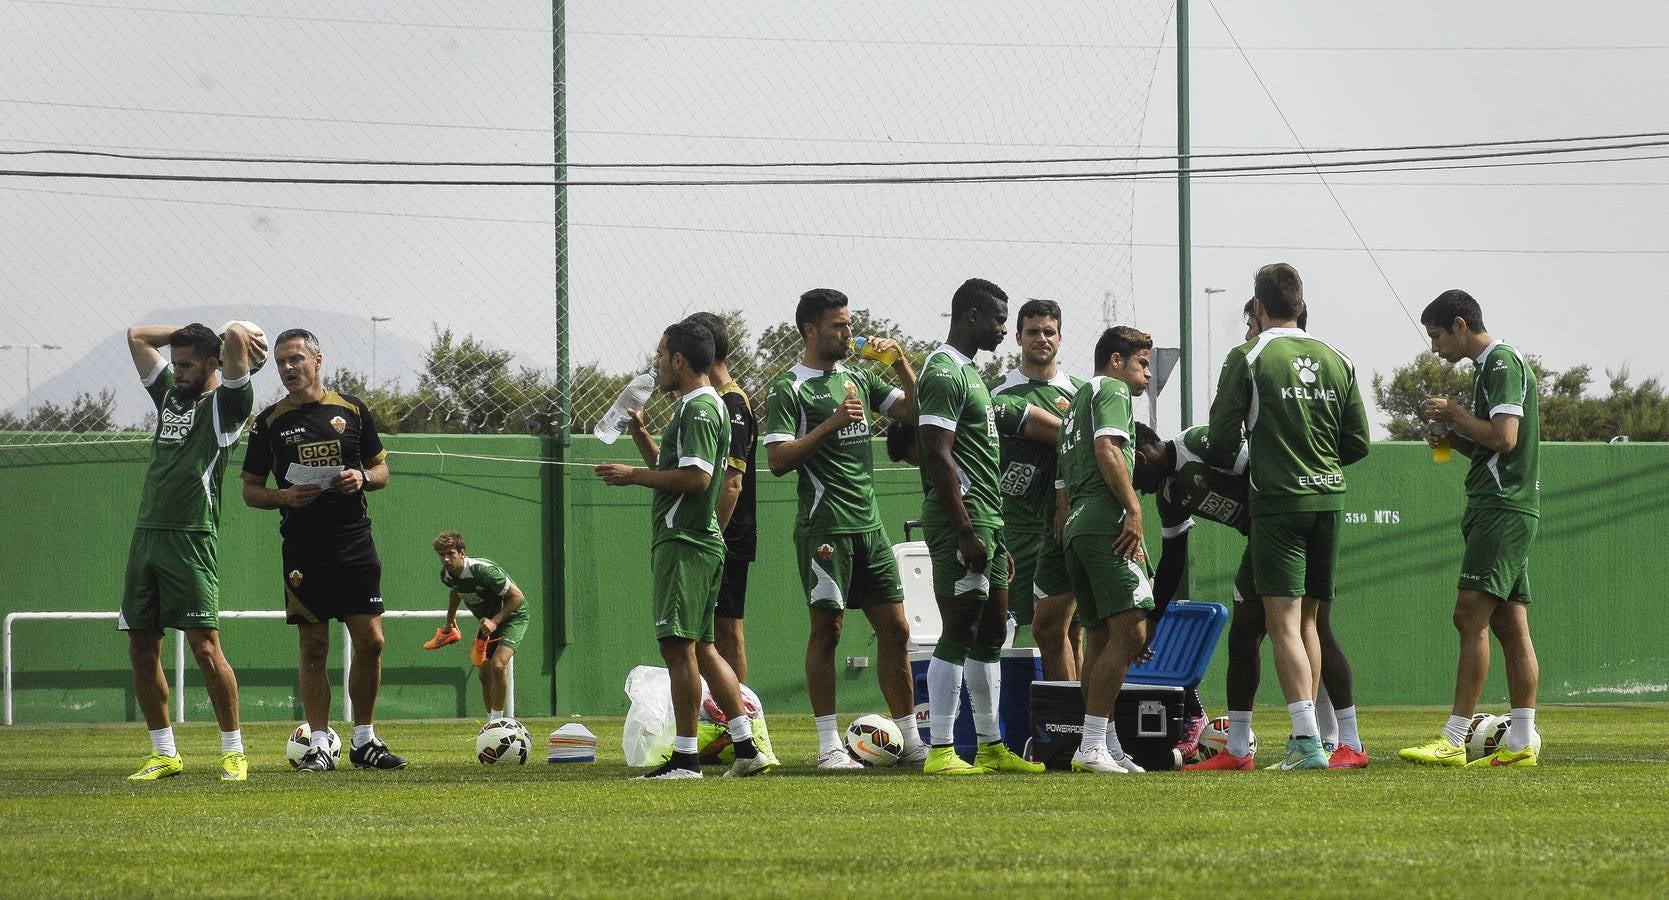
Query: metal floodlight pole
column 1184, row 240
column 375, row 321
column 28, row 370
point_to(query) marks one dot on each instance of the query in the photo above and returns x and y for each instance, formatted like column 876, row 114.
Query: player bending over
column 496, row 603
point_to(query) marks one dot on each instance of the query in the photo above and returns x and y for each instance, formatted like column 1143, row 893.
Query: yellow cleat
column 157, row 766
column 998, row 758
column 944, row 761
column 1438, row 752
column 1503, row 758
column 234, row 766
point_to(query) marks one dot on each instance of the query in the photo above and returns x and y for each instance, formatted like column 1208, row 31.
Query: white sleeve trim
column 937, row 422
column 776, row 438
column 698, row 462
column 236, row 382
column 1060, row 484
column 892, row 398
column 1511, row 409
column 1110, row 431
column 1025, row 416
column 156, row 373
column 1177, row 530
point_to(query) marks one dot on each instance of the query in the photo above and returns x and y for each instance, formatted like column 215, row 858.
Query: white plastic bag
column 649, row 721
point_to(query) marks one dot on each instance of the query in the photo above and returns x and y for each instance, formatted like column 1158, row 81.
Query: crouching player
column 496, row 603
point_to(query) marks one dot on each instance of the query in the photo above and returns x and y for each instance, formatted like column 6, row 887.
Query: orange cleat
column 1346, row 758
column 1222, row 762
column 478, row 652
column 443, row 636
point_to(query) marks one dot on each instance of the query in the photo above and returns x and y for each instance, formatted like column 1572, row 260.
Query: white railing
column 179, row 651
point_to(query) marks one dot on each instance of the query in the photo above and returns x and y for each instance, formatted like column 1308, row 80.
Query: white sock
column 1347, row 734
column 912, row 733
column 162, row 741
column 1455, row 731
column 1327, row 720
column 1095, row 734
column 1240, row 732
column 1522, row 728
column 828, row 735
column 740, row 728
column 944, row 696
column 1303, row 718
column 231, row 740
column 319, row 739
column 1113, row 745
column 985, row 683
column 682, row 744
column 494, row 714
column 364, row 734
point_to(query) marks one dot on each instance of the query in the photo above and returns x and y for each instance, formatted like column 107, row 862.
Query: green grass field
column 1589, row 821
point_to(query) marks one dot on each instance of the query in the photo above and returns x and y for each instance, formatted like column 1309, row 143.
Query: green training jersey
column 1197, row 489
column 188, row 452
column 836, row 483
column 482, row 585
column 1301, row 410
column 1028, row 467
column 698, row 436
column 1102, row 408
column 951, row 395
column 1504, row 383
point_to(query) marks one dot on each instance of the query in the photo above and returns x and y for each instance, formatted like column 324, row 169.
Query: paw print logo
column 1305, row 367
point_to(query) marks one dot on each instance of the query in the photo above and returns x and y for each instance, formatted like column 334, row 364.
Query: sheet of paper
column 319, row 475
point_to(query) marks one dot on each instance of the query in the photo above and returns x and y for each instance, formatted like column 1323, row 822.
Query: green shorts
column 1039, row 571
column 510, row 633
column 951, row 577
column 171, row 581
column 841, row 571
column 1104, row 583
column 1497, row 559
column 1294, row 553
column 686, row 583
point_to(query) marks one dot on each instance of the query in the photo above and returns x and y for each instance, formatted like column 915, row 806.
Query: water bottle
column 865, row 347
column 615, row 422
column 1442, row 450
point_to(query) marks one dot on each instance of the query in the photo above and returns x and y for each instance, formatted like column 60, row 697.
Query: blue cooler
column 1020, row 667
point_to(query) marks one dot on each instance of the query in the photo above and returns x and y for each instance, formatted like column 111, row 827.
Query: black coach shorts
column 733, row 588
column 331, row 579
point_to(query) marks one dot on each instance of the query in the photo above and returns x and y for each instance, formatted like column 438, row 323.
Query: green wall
column 1597, row 572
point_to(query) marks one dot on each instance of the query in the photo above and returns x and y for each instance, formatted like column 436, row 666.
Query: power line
column 862, row 163
column 328, row 20
column 1330, row 192
column 1407, row 163
column 323, row 120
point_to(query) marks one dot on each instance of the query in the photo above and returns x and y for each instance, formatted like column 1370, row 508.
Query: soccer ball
column 1488, row 734
column 301, row 740
column 874, row 740
column 257, row 357
column 502, row 742
column 1215, row 739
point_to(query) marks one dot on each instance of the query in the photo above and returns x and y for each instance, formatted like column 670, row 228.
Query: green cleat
column 1503, row 758
column 1303, row 753
column 944, row 761
column 157, row 766
column 1439, row 752
column 234, row 766
column 998, row 758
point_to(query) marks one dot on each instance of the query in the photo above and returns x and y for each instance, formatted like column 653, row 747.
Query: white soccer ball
column 301, row 740
column 874, row 740
column 257, row 356
column 1486, row 735
column 1215, row 739
column 503, row 742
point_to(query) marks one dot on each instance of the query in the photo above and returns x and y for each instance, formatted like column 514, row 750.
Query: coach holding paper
column 331, row 568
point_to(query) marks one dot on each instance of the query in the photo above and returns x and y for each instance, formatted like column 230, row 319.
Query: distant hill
column 345, row 339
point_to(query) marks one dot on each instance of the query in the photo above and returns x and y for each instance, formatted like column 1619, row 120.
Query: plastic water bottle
column 865, row 347
column 615, row 422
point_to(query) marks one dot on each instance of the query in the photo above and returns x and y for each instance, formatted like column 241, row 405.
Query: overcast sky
column 1568, row 261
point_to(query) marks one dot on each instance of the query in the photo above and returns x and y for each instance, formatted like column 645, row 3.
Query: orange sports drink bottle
column 1442, row 451
column 866, row 349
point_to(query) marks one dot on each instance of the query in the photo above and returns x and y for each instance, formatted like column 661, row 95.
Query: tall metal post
column 555, row 513
column 1184, row 238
